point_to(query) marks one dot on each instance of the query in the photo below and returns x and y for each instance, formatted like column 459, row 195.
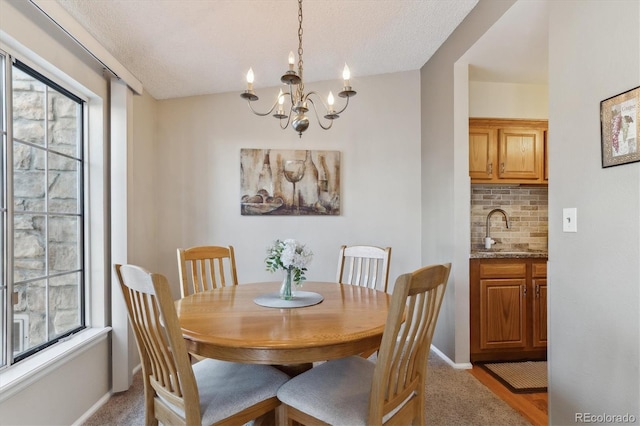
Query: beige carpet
column 454, row 397
column 520, row 377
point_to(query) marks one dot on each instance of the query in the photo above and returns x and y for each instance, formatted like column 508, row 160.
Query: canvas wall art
column 289, row 182
column 620, row 125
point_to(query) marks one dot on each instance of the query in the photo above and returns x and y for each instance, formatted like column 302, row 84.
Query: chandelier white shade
column 291, row 107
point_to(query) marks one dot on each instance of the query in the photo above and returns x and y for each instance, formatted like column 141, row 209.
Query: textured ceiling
column 182, row 48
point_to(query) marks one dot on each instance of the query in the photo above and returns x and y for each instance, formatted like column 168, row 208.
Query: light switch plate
column 570, row 220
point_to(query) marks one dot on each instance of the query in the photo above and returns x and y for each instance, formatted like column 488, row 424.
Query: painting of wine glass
column 620, row 128
column 294, row 172
column 289, row 182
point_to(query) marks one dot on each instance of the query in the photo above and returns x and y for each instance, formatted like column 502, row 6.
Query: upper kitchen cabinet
column 546, row 158
column 482, row 153
column 507, row 151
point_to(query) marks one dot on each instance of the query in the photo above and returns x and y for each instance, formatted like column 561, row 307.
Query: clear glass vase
column 286, row 290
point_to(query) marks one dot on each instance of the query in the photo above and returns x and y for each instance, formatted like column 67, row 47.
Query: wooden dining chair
column 366, row 266
column 356, row 391
column 205, row 268
column 175, row 392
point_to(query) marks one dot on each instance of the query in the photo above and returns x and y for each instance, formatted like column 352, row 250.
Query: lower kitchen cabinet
column 508, row 310
column 539, row 284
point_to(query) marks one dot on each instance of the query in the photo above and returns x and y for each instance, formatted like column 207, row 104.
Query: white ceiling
column 182, row 48
column 514, row 49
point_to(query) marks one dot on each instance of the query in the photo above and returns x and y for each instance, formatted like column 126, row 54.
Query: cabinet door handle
column 524, row 291
column 490, row 169
column 501, row 167
column 537, row 291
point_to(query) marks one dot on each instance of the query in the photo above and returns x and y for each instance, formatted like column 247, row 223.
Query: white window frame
column 14, row 378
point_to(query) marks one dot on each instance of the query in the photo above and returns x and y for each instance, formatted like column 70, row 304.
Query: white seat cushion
column 336, row 392
column 227, row 388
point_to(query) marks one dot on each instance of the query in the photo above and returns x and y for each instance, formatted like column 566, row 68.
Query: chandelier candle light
column 298, row 99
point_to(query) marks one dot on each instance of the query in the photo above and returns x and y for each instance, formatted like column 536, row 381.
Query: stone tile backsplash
column 528, row 211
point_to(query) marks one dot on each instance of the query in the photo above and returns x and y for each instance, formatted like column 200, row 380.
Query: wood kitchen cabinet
column 482, row 153
column 508, row 307
column 507, row 151
column 539, row 284
column 546, row 159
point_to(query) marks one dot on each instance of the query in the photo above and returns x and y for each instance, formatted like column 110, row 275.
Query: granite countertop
column 499, row 254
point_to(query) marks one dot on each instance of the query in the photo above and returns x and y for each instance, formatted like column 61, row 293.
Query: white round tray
column 300, row 299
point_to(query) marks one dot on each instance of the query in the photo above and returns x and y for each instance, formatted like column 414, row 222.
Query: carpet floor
column 454, row 397
column 520, row 377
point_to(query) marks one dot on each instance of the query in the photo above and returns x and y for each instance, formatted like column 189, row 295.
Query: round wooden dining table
column 226, row 323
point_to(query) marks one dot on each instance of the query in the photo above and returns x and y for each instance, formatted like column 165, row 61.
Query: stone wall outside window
column 47, row 188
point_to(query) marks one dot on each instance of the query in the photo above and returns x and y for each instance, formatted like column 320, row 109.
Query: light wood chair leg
column 281, row 415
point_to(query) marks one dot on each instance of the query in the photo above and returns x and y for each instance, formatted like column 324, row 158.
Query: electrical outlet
column 570, row 220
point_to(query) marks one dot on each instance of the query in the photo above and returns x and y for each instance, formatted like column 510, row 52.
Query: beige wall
column 594, row 274
column 198, row 181
column 508, row 100
column 143, row 188
column 64, row 395
column 445, row 173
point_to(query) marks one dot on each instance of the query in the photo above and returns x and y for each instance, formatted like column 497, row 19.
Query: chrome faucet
column 488, row 241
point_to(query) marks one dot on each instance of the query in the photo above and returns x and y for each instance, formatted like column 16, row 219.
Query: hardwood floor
column 533, row 406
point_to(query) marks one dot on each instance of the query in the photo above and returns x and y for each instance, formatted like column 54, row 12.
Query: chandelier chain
column 300, row 62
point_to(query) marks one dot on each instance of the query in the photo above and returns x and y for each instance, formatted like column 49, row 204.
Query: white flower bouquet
column 289, row 255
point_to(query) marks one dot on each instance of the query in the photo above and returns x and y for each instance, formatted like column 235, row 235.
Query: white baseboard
column 95, row 407
column 459, row 366
column 91, row 411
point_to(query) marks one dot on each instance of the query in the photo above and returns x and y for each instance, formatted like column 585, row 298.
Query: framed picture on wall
column 289, row 182
column 619, row 117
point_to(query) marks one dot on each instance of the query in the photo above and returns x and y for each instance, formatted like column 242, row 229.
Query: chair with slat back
column 175, row 392
column 355, row 391
column 205, row 268
column 366, row 266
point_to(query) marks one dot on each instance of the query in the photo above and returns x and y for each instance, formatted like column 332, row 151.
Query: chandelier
column 298, row 100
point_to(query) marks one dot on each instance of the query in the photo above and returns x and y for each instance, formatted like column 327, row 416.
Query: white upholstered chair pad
column 336, row 392
column 249, row 385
